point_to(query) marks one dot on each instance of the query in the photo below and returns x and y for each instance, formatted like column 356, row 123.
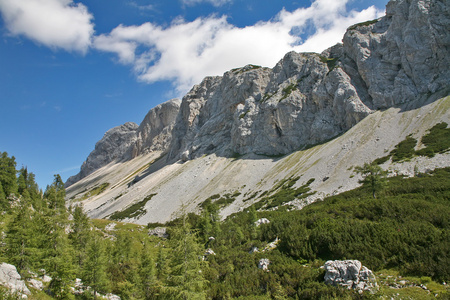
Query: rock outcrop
column 350, row 274
column 263, row 264
column 129, row 140
column 309, row 98
column 11, row 279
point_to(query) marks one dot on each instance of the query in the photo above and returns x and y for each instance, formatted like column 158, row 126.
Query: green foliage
column 288, row 90
column 373, row 176
column 367, row 23
column 95, row 191
column 404, row 230
column 94, row 269
column 284, row 192
column 331, row 62
column 8, row 174
column 245, row 69
column 436, row 141
column 404, row 150
column 134, row 211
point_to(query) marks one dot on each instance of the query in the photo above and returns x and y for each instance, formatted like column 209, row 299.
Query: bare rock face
column 309, row 98
column 350, row 274
column 11, row 279
column 155, row 131
column 129, row 140
column 114, row 144
column 402, row 55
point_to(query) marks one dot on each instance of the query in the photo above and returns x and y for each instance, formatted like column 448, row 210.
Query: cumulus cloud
column 185, row 52
column 53, row 23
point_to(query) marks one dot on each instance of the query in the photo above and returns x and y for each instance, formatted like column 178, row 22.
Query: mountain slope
column 229, row 130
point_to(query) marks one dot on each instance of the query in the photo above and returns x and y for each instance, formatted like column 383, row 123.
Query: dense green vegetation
column 404, row 231
column 134, row 211
column 437, row 140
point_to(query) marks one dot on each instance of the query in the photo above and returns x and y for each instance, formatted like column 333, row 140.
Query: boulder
column 264, row 264
column 11, row 279
column 262, row 221
column 350, row 274
column 159, row 232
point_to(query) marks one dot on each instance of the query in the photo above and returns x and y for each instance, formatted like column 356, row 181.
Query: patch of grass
column 134, row 211
column 382, row 160
column 95, row 191
column 331, row 62
column 436, row 141
column 245, row 69
column 404, row 150
column 266, row 97
column 288, row 90
column 242, row 115
column 284, row 192
column 367, row 23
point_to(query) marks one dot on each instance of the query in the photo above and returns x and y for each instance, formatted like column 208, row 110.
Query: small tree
column 373, row 176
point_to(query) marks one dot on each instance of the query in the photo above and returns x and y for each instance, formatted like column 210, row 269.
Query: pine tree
column 58, row 251
column 79, row 235
column 94, row 268
column 55, row 194
column 373, row 176
column 21, row 243
column 8, row 174
column 3, row 201
column 147, row 272
column 186, row 278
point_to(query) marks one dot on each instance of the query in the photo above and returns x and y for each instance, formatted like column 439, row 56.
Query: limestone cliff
column 308, row 98
column 129, row 140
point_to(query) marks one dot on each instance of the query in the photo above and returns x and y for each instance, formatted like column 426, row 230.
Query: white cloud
column 185, row 52
column 216, row 3
column 53, row 23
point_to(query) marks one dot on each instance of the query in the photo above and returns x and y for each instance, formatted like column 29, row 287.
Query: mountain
column 236, row 137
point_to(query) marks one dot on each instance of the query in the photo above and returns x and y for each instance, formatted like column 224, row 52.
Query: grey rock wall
column 309, row 98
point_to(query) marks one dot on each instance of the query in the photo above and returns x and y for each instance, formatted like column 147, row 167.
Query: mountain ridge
column 396, row 62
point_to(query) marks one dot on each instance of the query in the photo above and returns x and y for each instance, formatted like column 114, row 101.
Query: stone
column 209, row 251
column 264, row 264
column 36, row 284
column 159, row 232
column 350, row 274
column 110, row 227
column 253, row 250
column 262, row 221
column 11, row 279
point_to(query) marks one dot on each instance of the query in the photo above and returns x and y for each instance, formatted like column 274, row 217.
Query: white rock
column 37, row 284
column 351, row 274
column 262, row 221
column 11, row 279
column 264, row 264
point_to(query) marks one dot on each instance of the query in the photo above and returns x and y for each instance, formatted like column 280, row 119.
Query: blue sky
column 71, row 70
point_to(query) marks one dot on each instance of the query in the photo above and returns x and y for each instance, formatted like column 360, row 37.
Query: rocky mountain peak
column 129, row 140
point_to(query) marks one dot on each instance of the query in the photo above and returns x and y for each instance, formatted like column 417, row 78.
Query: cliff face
column 129, row 140
column 309, row 98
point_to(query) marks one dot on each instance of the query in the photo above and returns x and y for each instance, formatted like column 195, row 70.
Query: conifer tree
column 373, row 176
column 8, row 174
column 79, row 235
column 94, row 268
column 55, row 194
column 147, row 272
column 186, row 278
column 3, row 202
